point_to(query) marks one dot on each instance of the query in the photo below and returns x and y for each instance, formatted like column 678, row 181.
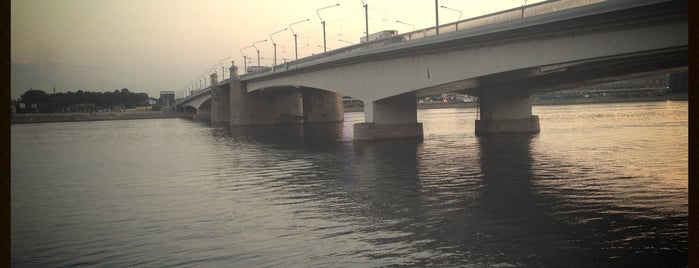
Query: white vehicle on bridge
column 385, row 34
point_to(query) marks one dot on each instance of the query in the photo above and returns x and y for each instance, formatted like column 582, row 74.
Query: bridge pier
column 506, row 112
column 390, row 118
column 219, row 102
column 264, row 108
column 321, row 106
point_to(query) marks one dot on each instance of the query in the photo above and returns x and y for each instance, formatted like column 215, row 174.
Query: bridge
column 502, row 58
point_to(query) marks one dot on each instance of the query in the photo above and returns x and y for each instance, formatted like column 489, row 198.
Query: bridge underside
column 544, row 79
column 283, row 105
column 201, row 112
column 506, row 97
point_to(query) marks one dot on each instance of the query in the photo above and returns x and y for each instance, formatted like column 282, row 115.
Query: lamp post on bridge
column 325, row 48
column 366, row 20
column 296, row 45
column 436, row 16
column 258, row 50
column 460, row 13
column 406, row 24
column 223, row 70
column 274, row 44
column 245, row 58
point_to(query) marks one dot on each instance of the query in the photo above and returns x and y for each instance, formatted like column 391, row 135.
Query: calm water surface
column 601, row 185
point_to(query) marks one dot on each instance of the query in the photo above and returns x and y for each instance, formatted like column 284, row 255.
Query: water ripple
column 585, row 191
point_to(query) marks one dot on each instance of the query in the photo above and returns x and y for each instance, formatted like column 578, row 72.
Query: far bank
column 78, row 117
column 133, row 115
column 552, row 101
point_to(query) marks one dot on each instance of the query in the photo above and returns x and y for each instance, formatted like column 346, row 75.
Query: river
column 602, row 185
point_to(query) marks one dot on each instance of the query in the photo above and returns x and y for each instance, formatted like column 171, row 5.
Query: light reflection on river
column 602, row 185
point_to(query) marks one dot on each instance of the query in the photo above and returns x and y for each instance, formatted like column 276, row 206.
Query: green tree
column 80, row 100
column 34, row 96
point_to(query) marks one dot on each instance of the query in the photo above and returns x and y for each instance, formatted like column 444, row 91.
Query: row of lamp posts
column 296, row 50
column 197, row 84
column 325, row 48
column 322, row 22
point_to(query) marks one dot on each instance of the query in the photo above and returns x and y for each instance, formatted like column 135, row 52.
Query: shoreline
column 81, row 117
column 570, row 101
column 554, row 101
column 612, row 99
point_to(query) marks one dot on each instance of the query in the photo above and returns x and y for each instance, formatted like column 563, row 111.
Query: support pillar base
column 202, row 117
column 373, row 131
column 528, row 125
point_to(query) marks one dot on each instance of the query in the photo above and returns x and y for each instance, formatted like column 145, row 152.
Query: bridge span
column 561, row 44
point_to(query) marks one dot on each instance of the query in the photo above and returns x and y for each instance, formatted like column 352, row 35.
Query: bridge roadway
column 528, row 51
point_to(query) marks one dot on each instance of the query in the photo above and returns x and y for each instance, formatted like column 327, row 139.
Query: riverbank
column 568, row 101
column 553, row 101
column 77, row 117
column 131, row 115
column 611, row 99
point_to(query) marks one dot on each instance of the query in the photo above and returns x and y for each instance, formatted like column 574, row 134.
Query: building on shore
column 167, row 100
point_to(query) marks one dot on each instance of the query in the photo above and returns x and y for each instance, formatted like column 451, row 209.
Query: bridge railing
column 194, row 93
column 470, row 23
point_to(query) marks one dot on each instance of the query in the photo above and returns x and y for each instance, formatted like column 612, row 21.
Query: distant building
column 167, row 100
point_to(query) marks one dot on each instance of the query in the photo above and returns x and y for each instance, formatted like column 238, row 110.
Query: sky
column 171, row 45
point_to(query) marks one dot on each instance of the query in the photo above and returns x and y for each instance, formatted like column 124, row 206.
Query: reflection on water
column 583, row 192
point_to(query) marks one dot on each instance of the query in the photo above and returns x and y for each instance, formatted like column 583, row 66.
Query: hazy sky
column 155, row 45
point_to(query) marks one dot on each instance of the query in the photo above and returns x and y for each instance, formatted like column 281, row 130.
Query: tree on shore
column 38, row 101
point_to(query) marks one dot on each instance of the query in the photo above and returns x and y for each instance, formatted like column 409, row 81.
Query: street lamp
column 325, row 48
column 436, row 16
column 258, row 51
column 223, row 70
column 406, row 24
column 457, row 24
column 366, row 19
column 245, row 59
column 296, row 45
column 275, row 46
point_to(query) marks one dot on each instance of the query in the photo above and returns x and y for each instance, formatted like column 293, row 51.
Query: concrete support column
column 390, row 118
column 264, row 108
column 233, row 71
column 506, row 112
column 678, row 82
column 286, row 107
column 220, row 108
column 321, row 106
column 238, row 102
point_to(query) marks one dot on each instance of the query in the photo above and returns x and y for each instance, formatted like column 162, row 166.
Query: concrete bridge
column 502, row 58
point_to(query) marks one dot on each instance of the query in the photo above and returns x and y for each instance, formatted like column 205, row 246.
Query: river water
column 602, row 185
